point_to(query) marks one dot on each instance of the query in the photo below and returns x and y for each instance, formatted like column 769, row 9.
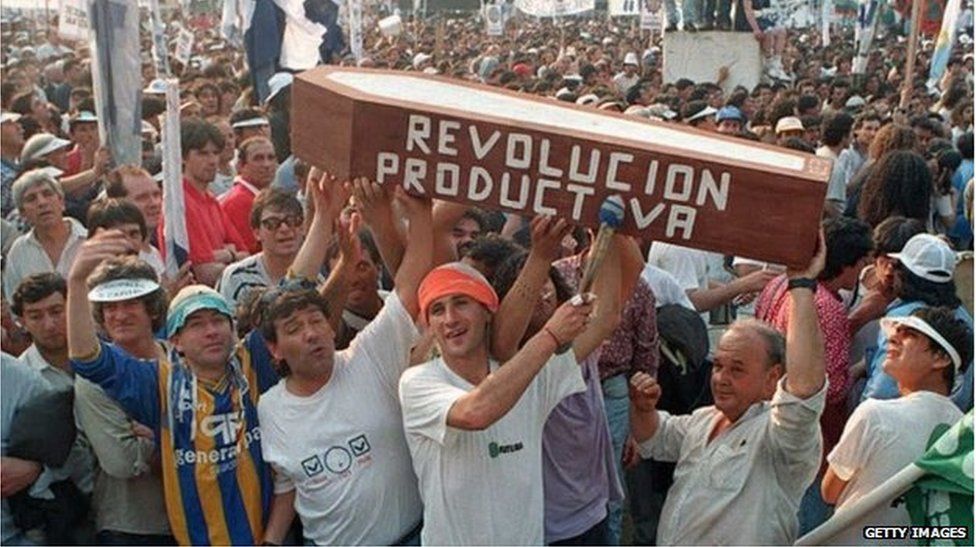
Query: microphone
column 611, row 219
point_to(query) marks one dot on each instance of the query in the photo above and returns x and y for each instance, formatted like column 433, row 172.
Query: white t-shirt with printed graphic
column 343, row 448
column 481, row 487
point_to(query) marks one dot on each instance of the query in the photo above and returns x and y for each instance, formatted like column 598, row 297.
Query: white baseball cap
column 928, row 257
column 256, row 121
column 8, row 117
column 890, row 324
column 41, row 145
column 631, row 59
column 788, row 123
column 278, row 82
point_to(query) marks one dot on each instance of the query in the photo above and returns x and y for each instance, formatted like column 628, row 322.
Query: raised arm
column 515, row 311
column 374, row 202
column 608, row 288
column 498, row 393
column 335, row 290
column 328, row 198
column 446, row 215
column 417, row 258
column 804, row 341
column 82, row 338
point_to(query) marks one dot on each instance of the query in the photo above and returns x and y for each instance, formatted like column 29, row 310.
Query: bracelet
column 802, row 283
column 561, row 347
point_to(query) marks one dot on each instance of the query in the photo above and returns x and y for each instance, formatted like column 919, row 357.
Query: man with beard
column 467, row 229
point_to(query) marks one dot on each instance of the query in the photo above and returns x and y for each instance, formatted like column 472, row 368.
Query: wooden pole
column 909, row 82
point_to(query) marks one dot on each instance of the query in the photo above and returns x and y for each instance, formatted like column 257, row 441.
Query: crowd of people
column 341, row 362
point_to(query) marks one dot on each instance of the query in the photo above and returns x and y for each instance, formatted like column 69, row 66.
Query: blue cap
column 190, row 300
column 729, row 113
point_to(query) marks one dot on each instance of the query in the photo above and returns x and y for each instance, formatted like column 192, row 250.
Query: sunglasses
column 273, row 223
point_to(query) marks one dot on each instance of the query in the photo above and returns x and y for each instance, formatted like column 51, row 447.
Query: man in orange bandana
column 474, row 427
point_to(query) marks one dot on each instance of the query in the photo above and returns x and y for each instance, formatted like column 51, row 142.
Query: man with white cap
column 923, row 277
column 927, row 350
column 787, row 128
column 53, row 240
column 630, row 76
column 247, row 123
column 11, row 143
column 129, row 305
column 700, row 115
column 54, row 150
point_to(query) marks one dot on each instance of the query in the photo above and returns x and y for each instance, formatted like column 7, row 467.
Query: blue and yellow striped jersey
column 217, row 486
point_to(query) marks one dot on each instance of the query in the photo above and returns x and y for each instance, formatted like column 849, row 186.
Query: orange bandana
column 455, row 278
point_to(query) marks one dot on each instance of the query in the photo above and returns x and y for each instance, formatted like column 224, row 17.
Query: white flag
column 177, row 246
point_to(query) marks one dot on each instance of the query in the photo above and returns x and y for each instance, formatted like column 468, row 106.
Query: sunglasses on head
column 273, row 223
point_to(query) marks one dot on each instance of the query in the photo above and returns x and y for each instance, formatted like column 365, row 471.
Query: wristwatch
column 802, row 283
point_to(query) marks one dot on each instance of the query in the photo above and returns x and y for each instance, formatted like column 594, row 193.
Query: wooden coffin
column 497, row 149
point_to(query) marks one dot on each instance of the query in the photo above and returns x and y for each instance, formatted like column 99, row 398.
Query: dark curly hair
column 899, row 184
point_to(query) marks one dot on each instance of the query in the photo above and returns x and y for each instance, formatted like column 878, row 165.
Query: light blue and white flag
column 943, row 45
column 867, row 25
column 117, row 77
column 177, row 243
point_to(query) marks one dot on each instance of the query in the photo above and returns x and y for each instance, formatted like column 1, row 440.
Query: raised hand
column 103, row 245
column 547, row 236
column 644, row 392
column 372, row 200
column 570, row 320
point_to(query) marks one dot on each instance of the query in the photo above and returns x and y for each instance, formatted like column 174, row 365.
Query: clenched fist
column 644, row 392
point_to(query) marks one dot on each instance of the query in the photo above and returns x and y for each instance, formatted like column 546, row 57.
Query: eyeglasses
column 273, row 223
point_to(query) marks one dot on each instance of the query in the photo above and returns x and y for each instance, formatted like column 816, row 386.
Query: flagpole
column 888, row 490
column 909, row 81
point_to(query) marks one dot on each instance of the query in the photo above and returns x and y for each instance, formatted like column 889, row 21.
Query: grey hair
column 31, row 179
column 775, row 341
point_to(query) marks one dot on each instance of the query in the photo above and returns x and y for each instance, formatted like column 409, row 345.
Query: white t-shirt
column 343, row 448
column 688, row 266
column 665, row 287
column 880, row 438
column 481, row 487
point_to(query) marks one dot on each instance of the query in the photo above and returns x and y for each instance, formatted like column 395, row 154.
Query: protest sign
column 73, row 20
column 184, row 46
column 700, row 55
column 652, row 16
column 493, row 20
column 502, row 150
column 390, row 26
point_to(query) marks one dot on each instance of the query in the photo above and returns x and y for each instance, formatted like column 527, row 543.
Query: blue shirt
column 217, row 487
column 961, row 231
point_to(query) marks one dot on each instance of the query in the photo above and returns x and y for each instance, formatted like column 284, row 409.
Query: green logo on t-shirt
column 494, row 449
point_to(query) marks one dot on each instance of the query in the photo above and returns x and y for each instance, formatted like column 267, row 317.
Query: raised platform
column 699, row 55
